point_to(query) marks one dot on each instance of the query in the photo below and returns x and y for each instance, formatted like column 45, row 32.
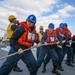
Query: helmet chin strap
column 32, row 28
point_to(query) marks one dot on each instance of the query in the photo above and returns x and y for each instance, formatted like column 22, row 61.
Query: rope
column 24, row 51
column 2, row 29
column 27, row 50
column 16, row 53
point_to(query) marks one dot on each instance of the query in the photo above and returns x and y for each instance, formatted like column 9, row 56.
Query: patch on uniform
column 52, row 38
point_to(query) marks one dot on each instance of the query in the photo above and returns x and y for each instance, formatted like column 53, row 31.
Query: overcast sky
column 46, row 11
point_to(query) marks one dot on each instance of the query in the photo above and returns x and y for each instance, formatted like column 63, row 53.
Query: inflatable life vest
column 67, row 33
column 40, row 36
column 61, row 32
column 9, row 32
column 28, row 37
column 51, row 37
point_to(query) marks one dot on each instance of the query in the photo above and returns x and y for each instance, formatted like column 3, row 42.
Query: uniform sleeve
column 59, row 37
column 73, row 43
column 14, row 27
column 37, row 38
column 44, row 37
column 15, row 36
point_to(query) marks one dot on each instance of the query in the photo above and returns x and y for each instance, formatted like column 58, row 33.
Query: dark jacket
column 15, row 36
column 73, row 43
column 14, row 27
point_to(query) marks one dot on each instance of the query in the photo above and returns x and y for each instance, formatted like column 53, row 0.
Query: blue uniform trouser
column 51, row 52
column 37, row 52
column 67, row 50
column 59, row 53
column 27, row 57
column 69, row 54
column 47, row 59
column 73, row 52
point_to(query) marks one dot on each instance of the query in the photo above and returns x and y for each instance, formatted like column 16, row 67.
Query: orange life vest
column 51, row 37
column 61, row 32
column 67, row 33
column 73, row 36
column 28, row 36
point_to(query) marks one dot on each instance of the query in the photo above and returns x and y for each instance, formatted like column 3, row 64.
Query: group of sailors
column 57, row 43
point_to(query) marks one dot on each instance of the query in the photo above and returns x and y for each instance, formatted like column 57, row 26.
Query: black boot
column 17, row 69
column 44, row 68
column 72, row 60
column 33, row 73
column 55, row 71
column 59, row 67
column 69, row 63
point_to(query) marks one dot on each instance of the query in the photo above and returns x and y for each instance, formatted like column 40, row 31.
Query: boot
column 59, row 67
column 33, row 73
column 17, row 69
column 44, row 68
column 69, row 63
column 55, row 71
column 72, row 60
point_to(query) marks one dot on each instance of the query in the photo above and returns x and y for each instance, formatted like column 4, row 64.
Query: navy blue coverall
column 27, row 56
column 47, row 50
column 59, row 52
column 38, row 49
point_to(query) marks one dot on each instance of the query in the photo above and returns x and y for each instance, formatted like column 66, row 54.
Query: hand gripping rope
column 27, row 50
column 24, row 51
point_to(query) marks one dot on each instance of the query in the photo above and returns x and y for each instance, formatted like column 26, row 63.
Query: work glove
column 39, row 44
column 57, row 42
column 67, row 45
column 20, row 51
column 46, row 43
column 63, row 41
column 59, row 46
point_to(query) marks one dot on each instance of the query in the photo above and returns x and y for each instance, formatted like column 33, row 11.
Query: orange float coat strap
column 28, row 37
column 51, row 37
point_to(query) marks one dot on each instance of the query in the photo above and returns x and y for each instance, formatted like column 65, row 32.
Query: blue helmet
column 51, row 25
column 61, row 25
column 65, row 24
column 31, row 18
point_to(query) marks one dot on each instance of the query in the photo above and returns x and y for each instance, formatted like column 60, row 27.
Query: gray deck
column 67, row 70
